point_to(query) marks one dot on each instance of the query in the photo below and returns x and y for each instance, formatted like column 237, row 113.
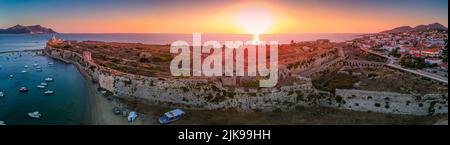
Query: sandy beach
column 100, row 110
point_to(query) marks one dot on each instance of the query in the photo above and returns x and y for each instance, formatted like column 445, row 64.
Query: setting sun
column 254, row 20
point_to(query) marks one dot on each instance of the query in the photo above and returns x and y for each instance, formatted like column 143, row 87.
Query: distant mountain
column 399, row 29
column 19, row 29
column 434, row 26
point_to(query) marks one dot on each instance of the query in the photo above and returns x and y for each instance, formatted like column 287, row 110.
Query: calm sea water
column 69, row 103
column 67, row 106
column 21, row 42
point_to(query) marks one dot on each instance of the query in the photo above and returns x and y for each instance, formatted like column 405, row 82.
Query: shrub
column 377, row 104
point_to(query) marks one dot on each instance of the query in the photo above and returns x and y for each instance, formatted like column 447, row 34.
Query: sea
column 69, row 103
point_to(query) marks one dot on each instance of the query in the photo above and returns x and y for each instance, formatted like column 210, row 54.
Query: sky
column 222, row 16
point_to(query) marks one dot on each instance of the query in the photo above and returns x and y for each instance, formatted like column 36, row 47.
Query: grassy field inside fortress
column 301, row 116
column 380, row 79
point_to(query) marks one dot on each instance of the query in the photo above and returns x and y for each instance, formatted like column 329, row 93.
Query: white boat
column 2, row 95
column 35, row 64
column 48, row 92
column 26, row 66
column 35, row 114
column 11, row 76
column 23, row 71
column 38, row 70
column 132, row 116
column 2, row 123
column 50, row 63
column 43, row 84
column 38, row 67
column 40, row 86
column 48, row 79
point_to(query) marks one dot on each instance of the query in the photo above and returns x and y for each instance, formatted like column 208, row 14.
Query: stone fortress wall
column 204, row 94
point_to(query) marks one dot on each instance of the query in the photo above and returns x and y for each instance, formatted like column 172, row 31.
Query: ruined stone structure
column 363, row 64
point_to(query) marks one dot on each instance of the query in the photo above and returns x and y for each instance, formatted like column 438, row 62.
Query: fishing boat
column 48, row 92
column 2, row 95
column 43, row 84
column 40, row 86
column 171, row 116
column 35, row 114
column 48, row 79
column 132, row 116
column 23, row 89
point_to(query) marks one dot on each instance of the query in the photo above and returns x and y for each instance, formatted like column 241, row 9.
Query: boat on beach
column 35, row 114
column 48, row 92
column 132, row 116
column 171, row 116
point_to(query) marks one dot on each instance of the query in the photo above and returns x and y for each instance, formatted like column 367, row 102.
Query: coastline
column 98, row 108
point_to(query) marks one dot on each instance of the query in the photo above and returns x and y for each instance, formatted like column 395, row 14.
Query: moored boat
column 2, row 123
column 35, row 114
column 40, row 86
column 2, row 95
column 48, row 79
column 23, row 89
column 48, row 92
column 23, row 71
column 43, row 84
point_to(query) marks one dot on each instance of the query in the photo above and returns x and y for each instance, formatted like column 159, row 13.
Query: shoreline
column 98, row 108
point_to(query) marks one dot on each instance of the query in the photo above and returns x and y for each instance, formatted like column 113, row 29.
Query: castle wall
column 203, row 94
